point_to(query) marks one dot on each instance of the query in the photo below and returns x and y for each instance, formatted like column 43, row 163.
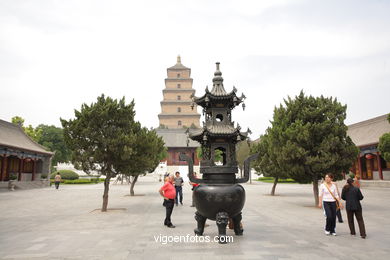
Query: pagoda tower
column 176, row 111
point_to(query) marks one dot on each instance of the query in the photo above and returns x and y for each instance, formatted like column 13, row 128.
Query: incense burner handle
column 186, row 158
column 247, row 168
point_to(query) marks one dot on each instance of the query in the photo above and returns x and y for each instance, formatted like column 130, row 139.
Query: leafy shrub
column 79, row 181
column 271, row 180
column 12, row 177
column 66, row 175
column 52, row 181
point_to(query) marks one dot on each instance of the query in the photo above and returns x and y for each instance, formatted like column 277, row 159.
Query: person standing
column 57, row 180
column 328, row 197
column 179, row 189
column 168, row 192
column 352, row 196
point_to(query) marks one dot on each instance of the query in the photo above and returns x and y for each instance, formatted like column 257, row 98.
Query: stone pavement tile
column 50, row 224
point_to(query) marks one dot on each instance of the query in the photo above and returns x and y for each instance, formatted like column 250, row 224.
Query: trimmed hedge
column 79, row 181
column 271, row 180
column 83, row 181
column 66, row 175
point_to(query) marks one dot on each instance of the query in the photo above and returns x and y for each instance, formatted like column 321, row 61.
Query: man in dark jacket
column 352, row 195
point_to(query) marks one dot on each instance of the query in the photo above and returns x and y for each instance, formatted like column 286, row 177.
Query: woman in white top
column 328, row 197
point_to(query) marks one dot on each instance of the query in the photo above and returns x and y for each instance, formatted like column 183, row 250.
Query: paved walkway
column 50, row 224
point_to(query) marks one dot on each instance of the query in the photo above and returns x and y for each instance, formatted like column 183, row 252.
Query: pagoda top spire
column 178, row 65
column 218, row 89
column 218, row 93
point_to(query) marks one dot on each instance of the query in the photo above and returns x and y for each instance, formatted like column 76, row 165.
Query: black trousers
column 179, row 192
column 360, row 221
column 330, row 212
column 169, row 205
column 57, row 183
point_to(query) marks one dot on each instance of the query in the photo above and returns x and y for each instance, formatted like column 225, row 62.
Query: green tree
column 17, row 120
column 242, row 152
column 310, row 139
column 102, row 137
column 52, row 137
column 267, row 161
column 148, row 151
column 384, row 144
column 33, row 133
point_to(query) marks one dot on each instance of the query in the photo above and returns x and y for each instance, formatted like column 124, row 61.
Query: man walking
column 179, row 189
column 168, row 192
column 57, row 180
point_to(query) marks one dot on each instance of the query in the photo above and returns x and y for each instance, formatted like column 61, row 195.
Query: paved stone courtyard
column 64, row 224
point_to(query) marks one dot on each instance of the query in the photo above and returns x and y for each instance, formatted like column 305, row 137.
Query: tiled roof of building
column 13, row 136
column 176, row 138
column 369, row 131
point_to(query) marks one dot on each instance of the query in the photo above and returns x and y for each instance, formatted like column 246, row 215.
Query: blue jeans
column 179, row 192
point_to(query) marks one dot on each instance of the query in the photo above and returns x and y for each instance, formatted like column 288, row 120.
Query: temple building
column 21, row 159
column 370, row 165
column 177, row 115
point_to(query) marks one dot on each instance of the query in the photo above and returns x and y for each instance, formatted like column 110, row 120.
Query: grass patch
column 272, row 179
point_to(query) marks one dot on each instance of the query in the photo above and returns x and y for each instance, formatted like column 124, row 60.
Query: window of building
column 178, row 75
column 179, row 123
column 178, row 97
column 179, row 109
column 178, row 86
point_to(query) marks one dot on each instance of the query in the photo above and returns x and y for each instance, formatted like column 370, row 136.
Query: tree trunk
column 105, row 194
column 315, row 191
column 274, row 186
column 132, row 185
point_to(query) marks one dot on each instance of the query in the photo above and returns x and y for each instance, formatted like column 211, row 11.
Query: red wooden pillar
column 2, row 168
column 20, row 169
column 34, row 169
column 360, row 167
column 378, row 159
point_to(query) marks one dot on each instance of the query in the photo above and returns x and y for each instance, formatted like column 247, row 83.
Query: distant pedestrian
column 194, row 185
column 352, row 196
column 57, row 180
column 169, row 193
column 328, row 197
column 179, row 189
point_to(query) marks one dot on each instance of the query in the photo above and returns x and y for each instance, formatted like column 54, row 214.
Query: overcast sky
column 56, row 55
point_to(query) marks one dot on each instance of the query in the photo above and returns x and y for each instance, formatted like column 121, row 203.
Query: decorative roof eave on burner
column 219, row 131
column 209, row 98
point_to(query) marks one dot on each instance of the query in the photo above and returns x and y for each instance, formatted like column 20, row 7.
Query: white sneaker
column 334, row 234
column 327, row 233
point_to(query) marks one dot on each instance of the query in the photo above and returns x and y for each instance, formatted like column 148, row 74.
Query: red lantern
column 369, row 156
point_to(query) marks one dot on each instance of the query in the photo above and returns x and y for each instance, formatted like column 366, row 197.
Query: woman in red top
column 168, row 191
